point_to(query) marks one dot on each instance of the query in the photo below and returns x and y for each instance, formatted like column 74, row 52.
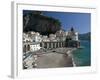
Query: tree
column 34, row 21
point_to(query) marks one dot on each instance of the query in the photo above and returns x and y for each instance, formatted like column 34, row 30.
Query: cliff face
column 37, row 22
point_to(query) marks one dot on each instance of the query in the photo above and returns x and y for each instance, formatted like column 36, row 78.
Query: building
column 61, row 35
column 35, row 36
column 34, row 42
column 73, row 34
column 52, row 37
column 45, row 39
column 34, row 47
column 72, row 39
column 26, row 38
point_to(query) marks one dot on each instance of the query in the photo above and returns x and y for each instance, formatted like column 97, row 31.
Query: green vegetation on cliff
column 36, row 21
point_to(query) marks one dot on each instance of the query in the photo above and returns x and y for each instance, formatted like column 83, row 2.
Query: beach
column 59, row 57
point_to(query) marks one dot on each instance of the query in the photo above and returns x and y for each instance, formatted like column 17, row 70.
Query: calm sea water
column 82, row 57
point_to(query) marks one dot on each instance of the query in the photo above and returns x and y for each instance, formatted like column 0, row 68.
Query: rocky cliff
column 36, row 21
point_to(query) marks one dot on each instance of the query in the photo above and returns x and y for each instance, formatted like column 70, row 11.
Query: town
column 36, row 47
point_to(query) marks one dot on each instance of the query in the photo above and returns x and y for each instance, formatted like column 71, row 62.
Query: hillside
column 36, row 21
column 85, row 36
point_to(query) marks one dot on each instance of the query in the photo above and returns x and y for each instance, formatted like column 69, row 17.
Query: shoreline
column 70, row 53
column 57, row 58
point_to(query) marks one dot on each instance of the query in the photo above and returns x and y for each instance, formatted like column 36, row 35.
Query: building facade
column 57, row 40
column 33, row 43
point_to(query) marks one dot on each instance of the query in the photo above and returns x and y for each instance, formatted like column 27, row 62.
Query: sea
column 82, row 56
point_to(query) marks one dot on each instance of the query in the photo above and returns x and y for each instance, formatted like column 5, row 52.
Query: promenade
column 55, row 58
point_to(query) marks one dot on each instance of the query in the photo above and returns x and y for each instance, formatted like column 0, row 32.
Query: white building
column 66, row 33
column 75, row 37
column 52, row 37
column 36, row 37
column 34, row 47
column 26, row 38
column 61, row 35
column 45, row 39
column 31, row 41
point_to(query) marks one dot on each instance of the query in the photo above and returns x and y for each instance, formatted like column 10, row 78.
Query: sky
column 81, row 22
